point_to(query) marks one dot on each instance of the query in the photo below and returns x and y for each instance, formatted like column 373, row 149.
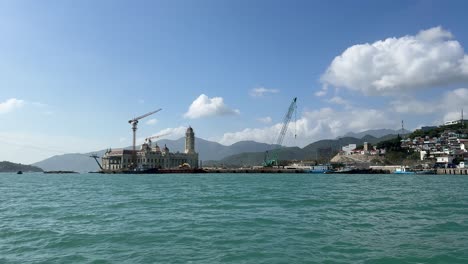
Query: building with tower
column 189, row 141
column 153, row 157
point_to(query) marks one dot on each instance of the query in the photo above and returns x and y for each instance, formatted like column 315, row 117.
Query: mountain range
column 212, row 153
column 208, row 150
column 377, row 133
column 322, row 150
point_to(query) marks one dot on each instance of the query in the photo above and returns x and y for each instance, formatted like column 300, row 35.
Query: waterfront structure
column 153, row 157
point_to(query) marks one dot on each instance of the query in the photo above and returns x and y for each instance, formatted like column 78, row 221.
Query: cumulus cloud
column 151, row 122
column 167, row 133
column 447, row 107
column 453, row 102
column 11, row 105
column 316, row 125
column 322, row 92
column 172, row 132
column 265, row 120
column 339, row 101
column 413, row 106
column 428, row 59
column 204, row 106
column 261, row 91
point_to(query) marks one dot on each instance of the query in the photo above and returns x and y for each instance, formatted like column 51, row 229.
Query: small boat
column 307, row 168
column 19, row 172
column 425, row 172
column 320, row 169
column 402, row 170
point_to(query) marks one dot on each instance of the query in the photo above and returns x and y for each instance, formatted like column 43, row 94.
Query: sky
column 72, row 73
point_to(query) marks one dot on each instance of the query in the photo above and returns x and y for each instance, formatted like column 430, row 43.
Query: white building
column 444, row 159
column 149, row 157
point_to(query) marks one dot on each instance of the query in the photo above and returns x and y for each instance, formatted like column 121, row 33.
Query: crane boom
column 143, row 116
column 156, row 136
column 272, row 158
column 286, row 120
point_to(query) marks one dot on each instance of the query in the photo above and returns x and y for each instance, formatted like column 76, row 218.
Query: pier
column 453, row 171
column 253, row 170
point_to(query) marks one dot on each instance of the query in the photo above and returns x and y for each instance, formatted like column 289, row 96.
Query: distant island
column 6, row 166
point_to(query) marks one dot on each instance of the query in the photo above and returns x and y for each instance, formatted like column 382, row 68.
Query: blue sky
column 73, row 72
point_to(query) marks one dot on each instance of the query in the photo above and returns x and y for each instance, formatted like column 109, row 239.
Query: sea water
column 233, row 218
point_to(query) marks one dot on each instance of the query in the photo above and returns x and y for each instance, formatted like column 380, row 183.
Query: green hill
column 321, row 151
column 6, row 166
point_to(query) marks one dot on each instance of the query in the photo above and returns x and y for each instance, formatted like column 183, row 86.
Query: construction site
column 150, row 158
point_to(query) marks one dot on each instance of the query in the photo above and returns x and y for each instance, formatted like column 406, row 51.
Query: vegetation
column 391, row 145
column 437, row 131
column 395, row 154
column 6, row 166
column 320, row 152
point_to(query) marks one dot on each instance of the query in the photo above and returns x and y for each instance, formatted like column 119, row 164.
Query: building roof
column 120, row 152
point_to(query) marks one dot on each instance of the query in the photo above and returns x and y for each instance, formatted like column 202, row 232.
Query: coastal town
column 430, row 147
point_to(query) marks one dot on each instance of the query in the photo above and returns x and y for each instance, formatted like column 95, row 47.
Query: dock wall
column 449, row 171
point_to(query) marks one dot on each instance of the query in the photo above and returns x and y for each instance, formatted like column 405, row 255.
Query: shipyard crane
column 134, row 123
column 148, row 139
column 269, row 162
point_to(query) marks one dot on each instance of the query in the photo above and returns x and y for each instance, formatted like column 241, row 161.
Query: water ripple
column 233, row 218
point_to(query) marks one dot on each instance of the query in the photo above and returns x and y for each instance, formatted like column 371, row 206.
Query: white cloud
column 265, row 135
column 315, row 125
column 447, row 107
column 261, row 91
column 339, row 101
column 453, row 102
column 323, row 91
column 151, row 122
column 11, row 105
column 172, row 132
column 204, row 106
column 456, row 99
column 265, row 120
column 450, row 116
column 428, row 59
column 434, row 34
column 413, row 106
column 122, row 139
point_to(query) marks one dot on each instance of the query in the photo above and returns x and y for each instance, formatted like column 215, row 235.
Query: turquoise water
column 233, row 218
